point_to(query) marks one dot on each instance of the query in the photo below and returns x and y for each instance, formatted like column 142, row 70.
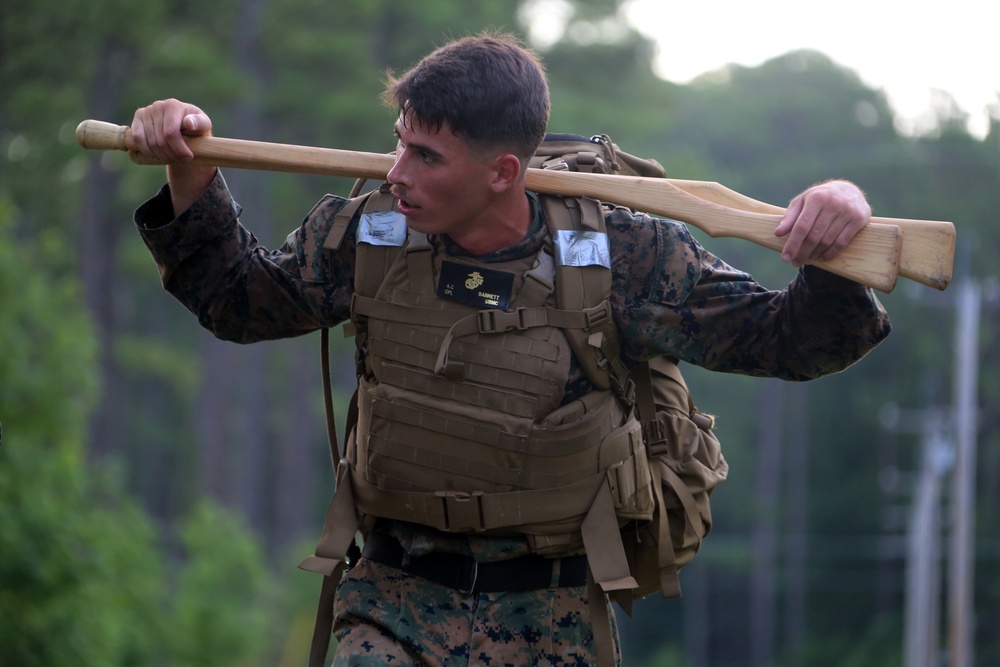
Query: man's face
column 440, row 183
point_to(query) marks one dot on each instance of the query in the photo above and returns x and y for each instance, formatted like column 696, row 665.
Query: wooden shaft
column 928, row 251
column 875, row 257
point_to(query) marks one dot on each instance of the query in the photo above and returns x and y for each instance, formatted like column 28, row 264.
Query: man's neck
column 503, row 226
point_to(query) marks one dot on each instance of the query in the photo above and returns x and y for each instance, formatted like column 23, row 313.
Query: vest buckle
column 462, row 511
column 598, row 316
column 499, row 321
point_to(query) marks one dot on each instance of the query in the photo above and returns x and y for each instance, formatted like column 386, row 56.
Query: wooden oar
column 873, row 258
column 928, row 249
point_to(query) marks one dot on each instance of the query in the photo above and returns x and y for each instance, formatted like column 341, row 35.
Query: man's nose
column 398, row 173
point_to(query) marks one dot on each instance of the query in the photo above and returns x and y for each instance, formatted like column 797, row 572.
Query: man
column 434, row 586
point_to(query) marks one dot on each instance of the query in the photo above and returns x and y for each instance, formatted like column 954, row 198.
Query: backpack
column 684, row 455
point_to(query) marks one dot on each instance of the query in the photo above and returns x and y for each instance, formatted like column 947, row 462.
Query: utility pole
column 961, row 618
column 956, row 437
column 923, row 578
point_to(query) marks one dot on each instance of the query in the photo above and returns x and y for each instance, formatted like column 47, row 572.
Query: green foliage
column 80, row 578
column 815, row 116
column 159, row 360
column 87, row 577
column 79, row 571
column 666, row 656
column 221, row 602
column 47, row 349
column 875, row 645
column 83, row 577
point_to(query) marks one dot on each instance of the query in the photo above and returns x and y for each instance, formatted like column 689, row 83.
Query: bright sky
column 907, row 48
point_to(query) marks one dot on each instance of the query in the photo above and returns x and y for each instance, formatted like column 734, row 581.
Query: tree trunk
column 302, row 446
column 100, row 232
column 763, row 588
column 797, row 545
column 235, row 405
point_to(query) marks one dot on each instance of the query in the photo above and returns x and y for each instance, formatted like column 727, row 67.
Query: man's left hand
column 821, row 221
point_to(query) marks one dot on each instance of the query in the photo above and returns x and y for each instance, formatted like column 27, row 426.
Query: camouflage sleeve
column 239, row 290
column 673, row 297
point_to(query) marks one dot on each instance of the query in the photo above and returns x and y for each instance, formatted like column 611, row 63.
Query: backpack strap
column 372, row 261
column 582, row 288
column 670, row 583
column 579, row 288
column 341, row 221
column 659, row 384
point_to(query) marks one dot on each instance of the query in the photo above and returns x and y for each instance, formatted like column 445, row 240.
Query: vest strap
column 603, row 544
column 499, row 321
column 341, row 221
column 339, row 528
column 368, row 307
column 456, row 511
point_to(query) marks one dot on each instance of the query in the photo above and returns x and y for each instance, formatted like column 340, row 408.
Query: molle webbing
column 479, row 451
column 581, row 322
column 459, row 421
column 523, row 511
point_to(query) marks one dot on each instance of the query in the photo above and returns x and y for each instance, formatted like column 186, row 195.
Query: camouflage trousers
column 387, row 618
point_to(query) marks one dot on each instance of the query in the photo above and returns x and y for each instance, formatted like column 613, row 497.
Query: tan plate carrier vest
column 459, row 423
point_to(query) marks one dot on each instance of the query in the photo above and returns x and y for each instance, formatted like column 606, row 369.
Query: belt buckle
column 473, row 575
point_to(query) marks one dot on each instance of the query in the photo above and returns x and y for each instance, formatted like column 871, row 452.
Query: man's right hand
column 158, row 131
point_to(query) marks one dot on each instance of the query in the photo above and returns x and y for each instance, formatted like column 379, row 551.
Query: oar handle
column 244, row 154
column 928, row 252
column 918, row 249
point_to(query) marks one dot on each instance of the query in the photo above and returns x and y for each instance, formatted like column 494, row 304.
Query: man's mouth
column 405, row 206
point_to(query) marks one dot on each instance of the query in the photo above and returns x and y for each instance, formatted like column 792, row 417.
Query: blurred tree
column 172, row 421
column 83, row 574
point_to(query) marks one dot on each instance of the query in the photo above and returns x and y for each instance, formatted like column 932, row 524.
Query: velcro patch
column 387, row 228
column 582, row 248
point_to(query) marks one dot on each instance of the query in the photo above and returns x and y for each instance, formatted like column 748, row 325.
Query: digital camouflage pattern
column 669, row 297
column 385, row 618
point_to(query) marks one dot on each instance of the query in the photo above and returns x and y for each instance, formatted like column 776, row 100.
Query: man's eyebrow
column 423, row 148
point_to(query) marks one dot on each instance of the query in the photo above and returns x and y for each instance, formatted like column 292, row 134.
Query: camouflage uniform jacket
column 669, row 295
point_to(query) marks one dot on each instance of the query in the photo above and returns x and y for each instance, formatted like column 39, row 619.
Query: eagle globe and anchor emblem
column 474, row 280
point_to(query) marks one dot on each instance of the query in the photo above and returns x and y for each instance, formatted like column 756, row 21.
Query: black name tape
column 475, row 285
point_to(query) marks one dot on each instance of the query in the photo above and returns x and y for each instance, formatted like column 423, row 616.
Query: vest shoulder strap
column 341, row 221
column 372, row 262
column 580, row 288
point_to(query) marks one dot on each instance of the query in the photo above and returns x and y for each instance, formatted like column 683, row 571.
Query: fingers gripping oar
column 928, row 249
column 873, row 257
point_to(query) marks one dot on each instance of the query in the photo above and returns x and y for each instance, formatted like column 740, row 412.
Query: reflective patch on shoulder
column 386, row 228
column 582, row 248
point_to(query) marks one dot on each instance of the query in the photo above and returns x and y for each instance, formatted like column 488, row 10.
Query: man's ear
column 508, row 172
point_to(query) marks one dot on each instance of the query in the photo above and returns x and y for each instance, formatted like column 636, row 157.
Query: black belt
column 466, row 575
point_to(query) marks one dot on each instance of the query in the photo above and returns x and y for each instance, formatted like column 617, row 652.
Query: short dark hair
column 489, row 89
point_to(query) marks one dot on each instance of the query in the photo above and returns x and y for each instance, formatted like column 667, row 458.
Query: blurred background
column 158, row 487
